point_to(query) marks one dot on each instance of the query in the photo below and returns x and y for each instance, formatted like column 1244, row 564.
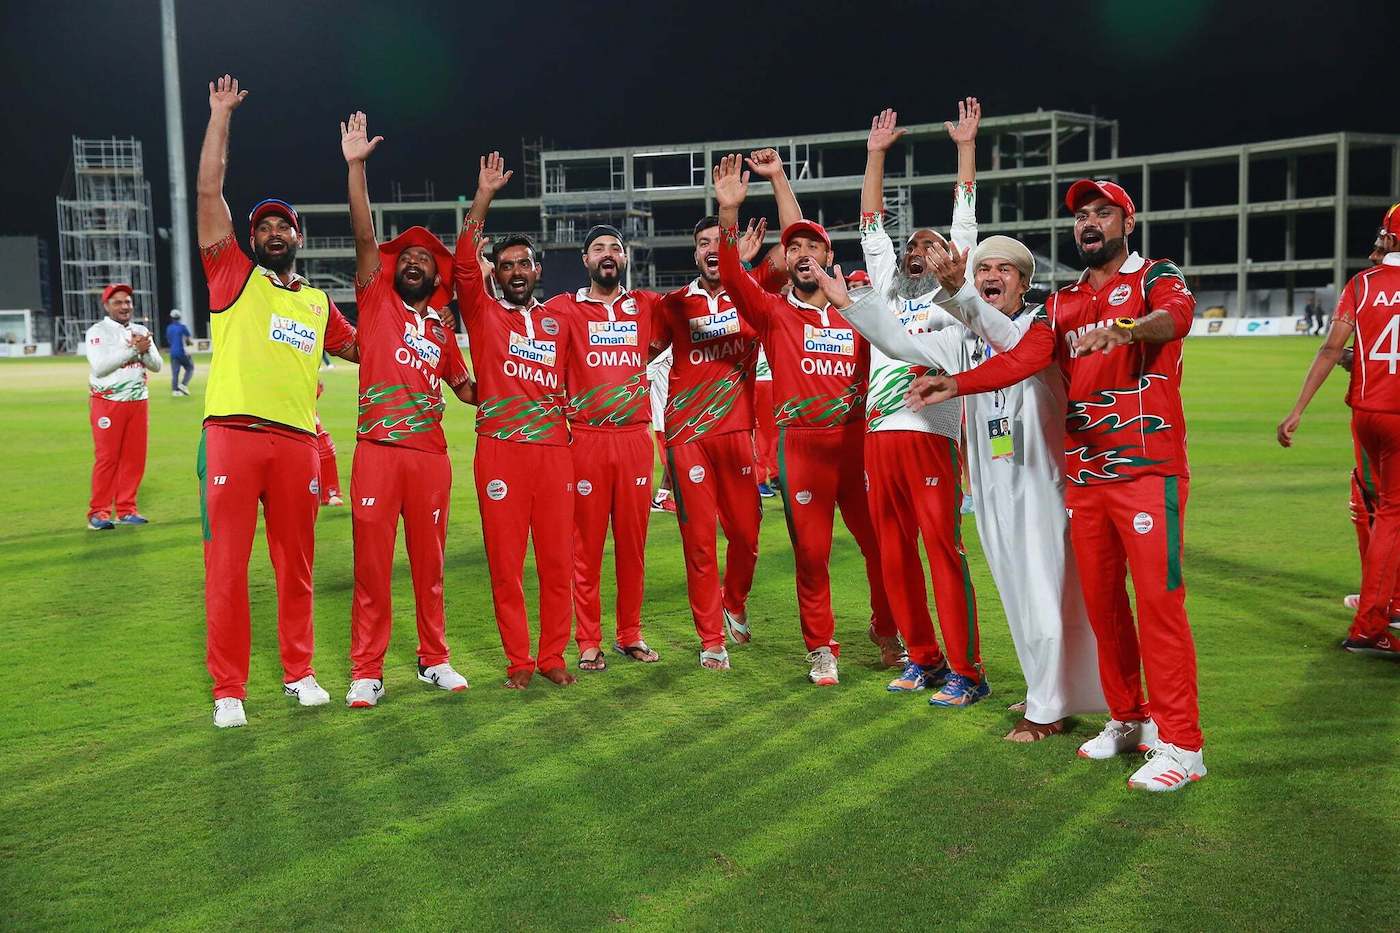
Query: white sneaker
column 228, row 713
column 1352, row 601
column 823, row 672
column 1118, row 737
column 307, row 692
column 364, row 693
column 443, row 676
column 1168, row 767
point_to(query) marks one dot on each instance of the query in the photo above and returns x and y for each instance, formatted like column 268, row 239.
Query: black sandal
column 596, row 663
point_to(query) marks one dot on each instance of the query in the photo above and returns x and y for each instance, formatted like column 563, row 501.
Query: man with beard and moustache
column 1118, row 335
column 911, row 459
column 522, row 468
column 820, row 367
column 401, row 466
column 709, row 427
column 268, row 326
column 1016, row 443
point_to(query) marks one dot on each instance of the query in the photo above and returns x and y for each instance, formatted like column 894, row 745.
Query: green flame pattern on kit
column 887, row 387
column 402, row 411
column 131, row 392
column 612, row 404
column 699, row 409
column 521, row 418
column 818, row 411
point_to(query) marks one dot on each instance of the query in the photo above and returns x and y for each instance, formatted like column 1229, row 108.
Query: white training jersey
column 659, row 375
column 118, row 372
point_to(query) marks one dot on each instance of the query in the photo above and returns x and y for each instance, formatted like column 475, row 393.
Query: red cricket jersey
column 518, row 355
column 1371, row 303
column 1125, row 418
column 710, row 390
column 609, row 348
column 821, row 366
column 404, row 359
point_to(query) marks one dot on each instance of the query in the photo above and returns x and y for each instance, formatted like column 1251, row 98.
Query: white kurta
column 1019, row 496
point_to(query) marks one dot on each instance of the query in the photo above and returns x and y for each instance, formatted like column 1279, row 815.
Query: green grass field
column 663, row 796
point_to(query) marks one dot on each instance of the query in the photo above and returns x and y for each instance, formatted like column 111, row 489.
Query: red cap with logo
column 807, row 228
column 273, row 206
column 115, row 287
column 423, row 238
column 1390, row 223
column 1086, row 189
column 858, row 279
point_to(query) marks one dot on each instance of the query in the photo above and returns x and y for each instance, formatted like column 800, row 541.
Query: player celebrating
column 269, row 327
column 1117, row 337
column 523, row 471
column 1368, row 308
column 401, row 465
column 609, row 409
column 820, row 367
column 119, row 355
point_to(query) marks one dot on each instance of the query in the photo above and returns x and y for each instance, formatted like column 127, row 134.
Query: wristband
column 1128, row 324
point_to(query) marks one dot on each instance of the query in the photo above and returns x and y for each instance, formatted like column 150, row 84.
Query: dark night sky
column 445, row 81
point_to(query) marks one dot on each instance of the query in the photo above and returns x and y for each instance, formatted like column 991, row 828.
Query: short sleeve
column 1346, row 303
column 339, row 333
column 454, row 368
column 226, row 269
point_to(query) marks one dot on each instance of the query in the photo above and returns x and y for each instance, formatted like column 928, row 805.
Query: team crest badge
column 1120, row 294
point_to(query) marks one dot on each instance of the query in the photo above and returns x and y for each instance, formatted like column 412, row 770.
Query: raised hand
column 766, row 163
column 355, row 143
column 969, row 116
column 752, row 239
column 731, row 182
column 949, row 265
column 833, row 286
column 930, row 390
column 224, row 94
column 493, row 176
column 884, row 132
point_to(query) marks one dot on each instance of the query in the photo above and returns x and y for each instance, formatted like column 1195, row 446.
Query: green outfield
column 664, row 796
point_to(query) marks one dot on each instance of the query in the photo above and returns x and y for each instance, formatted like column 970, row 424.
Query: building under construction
column 1259, row 228
column 105, row 235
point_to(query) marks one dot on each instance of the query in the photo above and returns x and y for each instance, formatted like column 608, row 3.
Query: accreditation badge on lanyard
column 999, row 433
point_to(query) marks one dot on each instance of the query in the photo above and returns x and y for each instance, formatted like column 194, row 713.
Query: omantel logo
column 1142, row 523
column 496, row 490
column 1120, row 294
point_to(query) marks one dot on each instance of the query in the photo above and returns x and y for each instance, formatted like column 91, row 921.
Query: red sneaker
column 1382, row 646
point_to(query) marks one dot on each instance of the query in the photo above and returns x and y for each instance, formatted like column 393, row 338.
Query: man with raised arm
column 1118, row 336
column 401, row 466
column 820, row 367
column 524, row 474
column 268, row 326
column 911, row 458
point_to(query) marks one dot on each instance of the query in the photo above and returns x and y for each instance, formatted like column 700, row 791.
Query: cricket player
column 1117, row 334
column 820, row 367
column 401, row 467
column 911, row 458
column 523, row 471
column 268, row 326
column 609, row 412
column 1369, row 309
column 177, row 338
column 119, row 355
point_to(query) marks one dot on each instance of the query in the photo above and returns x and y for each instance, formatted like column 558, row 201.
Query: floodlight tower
column 175, row 155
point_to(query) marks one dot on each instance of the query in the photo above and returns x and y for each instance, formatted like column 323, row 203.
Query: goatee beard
column 605, row 280
column 907, row 287
column 278, row 264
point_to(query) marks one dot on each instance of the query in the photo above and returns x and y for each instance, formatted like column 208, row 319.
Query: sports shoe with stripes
column 1168, row 767
column 443, row 677
column 1384, row 645
column 960, row 691
column 823, row 672
column 364, row 693
column 307, row 691
column 1118, row 737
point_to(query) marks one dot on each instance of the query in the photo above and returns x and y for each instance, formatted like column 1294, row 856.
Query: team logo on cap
column 104, row 422
column 1142, row 523
column 1120, row 294
column 549, row 325
column 584, row 487
column 697, row 474
column 496, row 490
column 803, row 496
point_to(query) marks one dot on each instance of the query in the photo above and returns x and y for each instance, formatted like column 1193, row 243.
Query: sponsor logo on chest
column 722, row 323
column 539, row 352
column 612, row 333
column 427, row 351
column 300, row 337
column 833, row 341
column 914, row 317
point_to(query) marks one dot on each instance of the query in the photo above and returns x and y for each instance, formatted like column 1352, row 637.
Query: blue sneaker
column 133, row 519
column 914, row 678
column 98, row 523
column 960, row 691
column 766, row 491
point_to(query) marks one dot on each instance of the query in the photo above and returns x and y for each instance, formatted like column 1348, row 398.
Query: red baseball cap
column 115, row 287
column 1390, row 223
column 808, row 228
column 1086, row 189
column 858, row 278
column 273, row 206
column 421, row 237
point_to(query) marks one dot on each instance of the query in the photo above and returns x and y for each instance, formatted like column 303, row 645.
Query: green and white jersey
column 118, row 372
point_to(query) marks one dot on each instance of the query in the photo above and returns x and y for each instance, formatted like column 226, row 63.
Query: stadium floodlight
column 175, row 155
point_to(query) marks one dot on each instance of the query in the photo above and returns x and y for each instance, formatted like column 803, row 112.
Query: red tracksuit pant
column 1138, row 526
column 1364, row 500
column 119, row 442
column 1378, row 433
column 330, row 473
column 713, row 482
column 238, row 468
column 612, row 484
column 820, row 469
column 765, row 435
column 914, row 491
column 525, row 493
column 387, row 482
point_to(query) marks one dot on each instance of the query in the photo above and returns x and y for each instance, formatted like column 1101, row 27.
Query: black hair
column 514, row 239
column 705, row 224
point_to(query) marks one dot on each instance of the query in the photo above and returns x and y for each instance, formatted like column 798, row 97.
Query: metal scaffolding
column 105, row 235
